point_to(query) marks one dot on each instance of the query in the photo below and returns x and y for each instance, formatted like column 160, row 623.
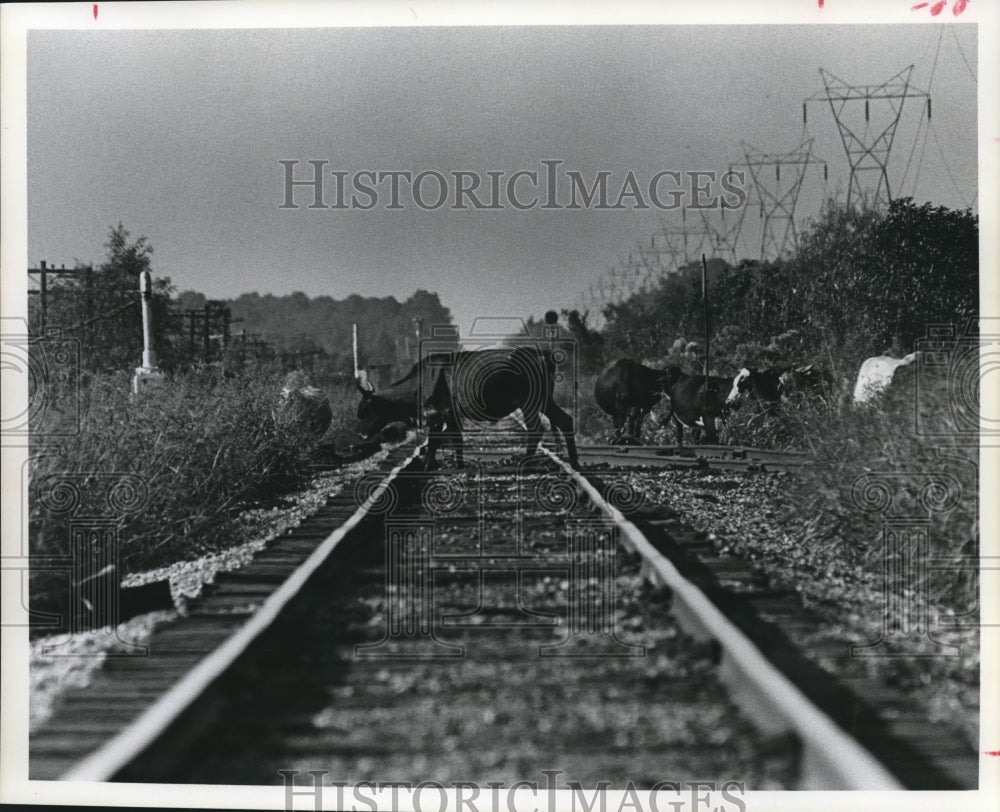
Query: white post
column 147, row 375
column 360, row 375
column 148, row 353
column 354, row 342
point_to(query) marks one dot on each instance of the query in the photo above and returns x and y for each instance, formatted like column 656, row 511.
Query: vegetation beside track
column 860, row 283
column 197, row 450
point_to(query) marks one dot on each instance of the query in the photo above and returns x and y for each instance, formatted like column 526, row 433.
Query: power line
column 961, row 53
column 947, row 169
column 913, row 149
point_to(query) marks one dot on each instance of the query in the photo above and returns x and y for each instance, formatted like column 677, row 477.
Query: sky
column 179, row 135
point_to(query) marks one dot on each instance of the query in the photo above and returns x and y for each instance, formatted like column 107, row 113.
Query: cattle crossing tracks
column 328, row 650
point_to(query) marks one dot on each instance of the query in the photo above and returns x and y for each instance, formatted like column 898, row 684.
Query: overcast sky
column 179, row 134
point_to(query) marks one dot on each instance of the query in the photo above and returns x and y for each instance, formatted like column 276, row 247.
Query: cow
column 770, row 386
column 808, row 379
column 765, row 385
column 485, row 385
column 627, row 391
column 695, row 402
column 876, row 374
column 303, row 407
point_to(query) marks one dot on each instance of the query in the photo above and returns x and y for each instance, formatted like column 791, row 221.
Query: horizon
column 203, row 139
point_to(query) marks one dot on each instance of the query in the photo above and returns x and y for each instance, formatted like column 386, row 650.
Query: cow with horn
column 484, row 385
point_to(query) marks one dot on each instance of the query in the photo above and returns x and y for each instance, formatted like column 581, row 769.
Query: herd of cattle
column 627, row 391
column 488, row 385
column 447, row 389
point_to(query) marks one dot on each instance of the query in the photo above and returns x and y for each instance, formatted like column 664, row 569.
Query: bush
column 851, row 446
column 193, row 452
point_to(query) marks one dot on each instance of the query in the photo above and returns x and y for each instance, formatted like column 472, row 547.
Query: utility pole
column 418, row 326
column 43, row 272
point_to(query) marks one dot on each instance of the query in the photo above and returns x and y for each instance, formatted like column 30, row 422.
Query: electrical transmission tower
column 648, row 262
column 777, row 201
column 640, row 273
column 869, row 150
column 685, row 243
column 724, row 239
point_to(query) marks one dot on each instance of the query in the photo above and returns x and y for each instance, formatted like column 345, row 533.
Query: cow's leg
column 710, row 433
column 635, row 427
column 680, row 432
column 564, row 422
column 535, row 431
column 629, row 434
column 723, row 427
column 454, row 429
column 434, row 440
column 618, row 421
column 556, row 438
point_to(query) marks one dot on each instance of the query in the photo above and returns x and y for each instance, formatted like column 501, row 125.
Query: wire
column 930, row 82
column 913, row 149
column 107, row 315
column 961, row 53
column 944, row 161
column 937, row 53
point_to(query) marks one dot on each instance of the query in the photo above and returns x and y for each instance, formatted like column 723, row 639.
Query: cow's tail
column 441, row 359
column 413, row 371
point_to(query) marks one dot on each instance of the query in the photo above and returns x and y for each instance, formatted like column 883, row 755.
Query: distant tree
column 589, row 341
column 190, row 300
column 871, row 281
column 861, row 282
column 387, row 327
column 100, row 306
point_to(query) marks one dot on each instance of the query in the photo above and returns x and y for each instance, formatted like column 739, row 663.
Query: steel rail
column 831, row 759
column 105, row 762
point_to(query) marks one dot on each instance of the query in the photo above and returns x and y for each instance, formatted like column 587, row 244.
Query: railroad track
column 482, row 624
column 706, row 457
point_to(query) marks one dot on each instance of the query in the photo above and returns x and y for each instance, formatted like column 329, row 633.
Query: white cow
column 876, row 375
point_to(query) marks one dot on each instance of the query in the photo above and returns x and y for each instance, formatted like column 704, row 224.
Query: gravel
column 752, row 518
column 60, row 662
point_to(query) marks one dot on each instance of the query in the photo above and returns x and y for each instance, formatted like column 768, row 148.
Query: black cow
column 806, row 380
column 486, row 386
column 696, row 403
column 627, row 391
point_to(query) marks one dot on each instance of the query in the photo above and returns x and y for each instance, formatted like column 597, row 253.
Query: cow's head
column 669, row 377
column 373, row 411
column 741, row 383
column 766, row 385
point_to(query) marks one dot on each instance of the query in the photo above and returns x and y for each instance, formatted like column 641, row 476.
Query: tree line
column 861, row 282
column 99, row 306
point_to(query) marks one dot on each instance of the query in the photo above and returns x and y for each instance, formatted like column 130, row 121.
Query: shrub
column 879, row 441
column 197, row 450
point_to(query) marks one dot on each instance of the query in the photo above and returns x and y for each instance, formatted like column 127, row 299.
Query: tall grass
column 197, row 450
column 929, row 470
